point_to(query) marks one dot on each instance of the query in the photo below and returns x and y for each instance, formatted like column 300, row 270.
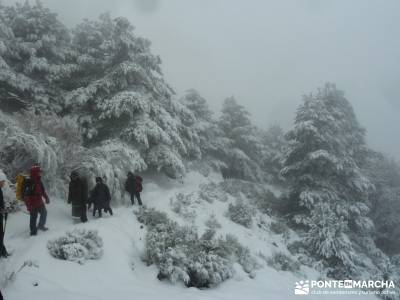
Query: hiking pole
column 5, row 223
column 3, row 251
column 3, row 230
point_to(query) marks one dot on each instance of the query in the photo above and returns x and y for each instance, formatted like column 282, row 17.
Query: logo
column 302, row 287
column 344, row 287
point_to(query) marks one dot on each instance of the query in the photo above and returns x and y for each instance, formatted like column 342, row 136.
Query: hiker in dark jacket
column 100, row 197
column 133, row 185
column 34, row 201
column 3, row 251
column 78, row 195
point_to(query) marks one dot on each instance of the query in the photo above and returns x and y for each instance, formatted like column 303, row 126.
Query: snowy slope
column 120, row 273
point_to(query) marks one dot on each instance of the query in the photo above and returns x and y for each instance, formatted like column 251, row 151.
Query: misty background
column 269, row 53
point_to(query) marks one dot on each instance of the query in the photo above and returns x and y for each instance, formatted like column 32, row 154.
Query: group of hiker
column 80, row 199
column 99, row 196
column 32, row 191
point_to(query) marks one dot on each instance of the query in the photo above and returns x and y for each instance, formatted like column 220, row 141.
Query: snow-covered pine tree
column 201, row 131
column 328, row 191
column 274, row 146
column 34, row 50
column 195, row 117
column 100, row 75
column 122, row 94
column 239, row 145
column 384, row 172
column 51, row 141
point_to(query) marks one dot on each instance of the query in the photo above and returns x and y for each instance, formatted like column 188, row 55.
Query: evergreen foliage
column 77, row 245
column 94, row 99
column 283, row 262
column 241, row 213
column 328, row 190
column 104, row 81
column 384, row 172
column 239, row 144
column 182, row 255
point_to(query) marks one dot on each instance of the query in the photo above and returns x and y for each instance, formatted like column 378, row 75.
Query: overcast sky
column 269, row 53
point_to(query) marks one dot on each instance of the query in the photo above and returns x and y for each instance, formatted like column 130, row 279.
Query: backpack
column 138, row 184
column 28, row 187
column 22, row 187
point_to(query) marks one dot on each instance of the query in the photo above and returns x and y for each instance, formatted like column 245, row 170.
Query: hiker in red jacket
column 34, row 201
column 133, row 185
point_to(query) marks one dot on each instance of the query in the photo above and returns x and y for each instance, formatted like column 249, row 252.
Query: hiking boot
column 33, row 233
column 4, row 253
column 43, row 228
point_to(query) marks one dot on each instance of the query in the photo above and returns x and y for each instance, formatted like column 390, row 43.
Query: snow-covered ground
column 120, row 273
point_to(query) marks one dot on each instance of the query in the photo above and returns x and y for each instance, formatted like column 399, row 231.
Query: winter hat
column 3, row 176
column 75, row 173
column 35, row 172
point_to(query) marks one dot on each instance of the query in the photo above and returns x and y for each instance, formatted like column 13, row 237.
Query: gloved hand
column 89, row 205
column 47, row 200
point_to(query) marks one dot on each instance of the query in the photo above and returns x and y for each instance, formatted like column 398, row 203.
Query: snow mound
column 77, row 245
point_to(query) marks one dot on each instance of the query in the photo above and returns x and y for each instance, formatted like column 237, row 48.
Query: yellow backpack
column 19, row 187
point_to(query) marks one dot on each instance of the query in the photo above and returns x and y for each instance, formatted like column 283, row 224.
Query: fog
column 269, row 53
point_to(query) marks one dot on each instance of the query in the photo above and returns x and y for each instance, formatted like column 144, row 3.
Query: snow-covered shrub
column 180, row 200
column 278, row 227
column 231, row 247
column 151, row 217
column 241, row 213
column 77, row 245
column 212, row 222
column 212, row 191
column 395, row 260
column 281, row 261
column 234, row 187
column 11, row 203
column 181, row 255
column 208, row 269
column 263, row 222
column 298, row 249
column 181, row 205
column 265, row 201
